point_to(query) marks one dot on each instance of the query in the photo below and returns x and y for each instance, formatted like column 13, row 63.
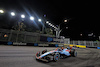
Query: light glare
column 65, row 20
column 1, row 11
column 12, row 14
column 22, row 16
column 31, row 18
column 39, row 20
column 50, row 24
column 47, row 22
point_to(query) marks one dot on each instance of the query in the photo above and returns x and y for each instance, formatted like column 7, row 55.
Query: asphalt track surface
column 24, row 56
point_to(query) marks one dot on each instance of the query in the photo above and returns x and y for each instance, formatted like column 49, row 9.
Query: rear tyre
column 56, row 57
column 73, row 53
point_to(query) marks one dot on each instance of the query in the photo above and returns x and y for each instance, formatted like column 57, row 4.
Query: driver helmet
column 62, row 48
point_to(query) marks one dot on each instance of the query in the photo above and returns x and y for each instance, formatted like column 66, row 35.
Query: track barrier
column 44, row 45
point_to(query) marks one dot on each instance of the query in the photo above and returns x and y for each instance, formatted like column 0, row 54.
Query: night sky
column 82, row 16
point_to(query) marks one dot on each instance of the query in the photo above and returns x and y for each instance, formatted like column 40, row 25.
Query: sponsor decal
column 61, row 45
column 15, row 43
column 10, row 43
column 58, row 40
column 43, row 45
column 35, row 44
column 56, row 45
column 68, row 50
column 49, row 39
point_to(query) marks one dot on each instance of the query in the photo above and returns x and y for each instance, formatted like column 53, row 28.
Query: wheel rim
column 57, row 57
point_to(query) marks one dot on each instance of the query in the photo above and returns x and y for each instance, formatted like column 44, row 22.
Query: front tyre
column 56, row 57
column 48, row 59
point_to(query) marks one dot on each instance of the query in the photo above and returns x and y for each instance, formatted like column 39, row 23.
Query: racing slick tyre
column 73, row 53
column 56, row 57
column 48, row 59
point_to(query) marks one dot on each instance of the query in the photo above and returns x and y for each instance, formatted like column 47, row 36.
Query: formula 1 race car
column 56, row 54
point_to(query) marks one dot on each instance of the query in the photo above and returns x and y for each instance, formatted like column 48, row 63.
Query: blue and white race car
column 56, row 54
